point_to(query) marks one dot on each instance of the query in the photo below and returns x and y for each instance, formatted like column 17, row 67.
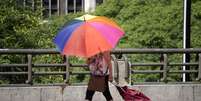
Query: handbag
column 97, row 83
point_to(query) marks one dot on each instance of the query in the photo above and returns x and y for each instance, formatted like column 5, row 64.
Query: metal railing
column 165, row 64
column 130, row 70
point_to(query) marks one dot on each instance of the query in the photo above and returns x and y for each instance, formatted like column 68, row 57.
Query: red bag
column 131, row 94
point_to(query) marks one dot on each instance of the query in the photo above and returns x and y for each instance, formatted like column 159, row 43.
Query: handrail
column 115, row 51
column 156, row 50
column 164, row 63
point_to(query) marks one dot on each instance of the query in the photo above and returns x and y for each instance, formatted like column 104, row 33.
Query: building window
column 61, row 7
column 98, row 2
column 26, row 3
column 74, row 6
column 50, row 7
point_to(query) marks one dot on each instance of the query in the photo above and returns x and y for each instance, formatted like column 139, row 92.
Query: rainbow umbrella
column 88, row 35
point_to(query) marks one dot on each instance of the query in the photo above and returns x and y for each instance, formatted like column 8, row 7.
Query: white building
column 61, row 7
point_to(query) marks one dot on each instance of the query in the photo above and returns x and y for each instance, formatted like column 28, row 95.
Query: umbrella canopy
column 88, row 35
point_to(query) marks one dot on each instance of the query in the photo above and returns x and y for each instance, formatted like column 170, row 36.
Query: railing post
column 165, row 67
column 29, row 81
column 199, row 68
column 67, row 70
column 161, row 67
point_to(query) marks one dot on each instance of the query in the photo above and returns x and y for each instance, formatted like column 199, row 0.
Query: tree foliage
column 152, row 24
column 16, row 25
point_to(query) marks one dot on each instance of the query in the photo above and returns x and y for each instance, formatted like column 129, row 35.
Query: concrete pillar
column 122, row 73
column 62, row 6
column 89, row 5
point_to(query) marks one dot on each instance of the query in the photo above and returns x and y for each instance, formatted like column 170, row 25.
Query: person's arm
column 108, row 59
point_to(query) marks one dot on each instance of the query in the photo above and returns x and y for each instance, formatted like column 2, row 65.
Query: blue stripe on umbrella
column 64, row 34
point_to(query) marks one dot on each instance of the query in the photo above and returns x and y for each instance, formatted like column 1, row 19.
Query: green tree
column 16, row 24
column 158, row 23
column 152, row 24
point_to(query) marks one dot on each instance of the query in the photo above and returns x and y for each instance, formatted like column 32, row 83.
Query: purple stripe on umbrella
column 112, row 34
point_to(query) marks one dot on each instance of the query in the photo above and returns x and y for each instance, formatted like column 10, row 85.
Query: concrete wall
column 89, row 5
column 77, row 93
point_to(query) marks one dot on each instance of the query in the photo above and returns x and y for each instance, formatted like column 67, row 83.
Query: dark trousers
column 106, row 93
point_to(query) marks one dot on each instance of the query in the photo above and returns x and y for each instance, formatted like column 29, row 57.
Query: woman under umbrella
column 100, row 73
column 91, row 37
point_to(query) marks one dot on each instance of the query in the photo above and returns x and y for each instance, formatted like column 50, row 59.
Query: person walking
column 100, row 73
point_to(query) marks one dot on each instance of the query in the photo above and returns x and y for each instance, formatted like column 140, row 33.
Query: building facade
column 61, row 7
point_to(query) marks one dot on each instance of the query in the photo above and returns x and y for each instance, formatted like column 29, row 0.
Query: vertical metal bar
column 186, row 36
column 58, row 7
column 66, row 6
column 41, row 5
column 50, row 8
column 165, row 68
column 74, row 5
column 33, row 4
column 199, row 68
column 82, row 5
column 67, row 76
column 29, row 81
column 24, row 3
